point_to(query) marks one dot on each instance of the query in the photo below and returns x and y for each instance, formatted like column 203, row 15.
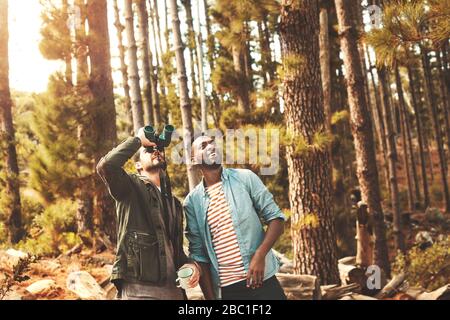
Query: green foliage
column 54, row 166
column 3, row 234
column 338, row 116
column 56, row 42
column 436, row 192
column 53, row 230
column 293, row 65
column 429, row 268
column 321, row 140
column 408, row 23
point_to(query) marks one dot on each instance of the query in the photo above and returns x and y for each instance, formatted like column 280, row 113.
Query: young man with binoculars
column 149, row 219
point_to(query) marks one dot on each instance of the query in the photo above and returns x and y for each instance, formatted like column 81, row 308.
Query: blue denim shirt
column 250, row 203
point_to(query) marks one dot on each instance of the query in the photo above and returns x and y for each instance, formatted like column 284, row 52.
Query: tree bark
column 392, row 158
column 185, row 102
column 417, row 112
column 144, row 47
column 444, row 97
column 431, row 98
column 191, row 44
column 7, row 135
column 201, row 74
column 381, row 128
column 133, row 70
column 324, row 44
column 242, row 90
column 313, row 231
column 101, row 85
column 402, row 107
column 68, row 56
column 123, row 66
column 85, row 201
column 361, row 126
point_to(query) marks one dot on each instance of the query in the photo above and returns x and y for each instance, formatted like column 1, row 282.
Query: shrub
column 429, row 268
column 53, row 230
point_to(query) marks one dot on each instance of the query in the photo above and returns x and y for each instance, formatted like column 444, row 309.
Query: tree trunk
column 324, row 44
column 7, row 135
column 242, row 90
column 201, row 74
column 191, row 44
column 361, row 126
column 381, row 128
column 392, row 158
column 157, row 34
column 133, row 70
column 437, row 129
column 313, row 232
column 444, row 96
column 412, row 159
column 185, row 103
column 155, row 80
column 144, row 45
column 123, row 66
column 101, row 85
column 417, row 112
column 85, row 201
column 402, row 107
column 210, row 42
column 68, row 56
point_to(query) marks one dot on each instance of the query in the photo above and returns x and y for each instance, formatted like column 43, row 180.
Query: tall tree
column 185, row 102
column 420, row 139
column 144, row 48
column 431, row 100
column 191, row 44
column 313, row 232
column 7, row 134
column 85, row 196
column 361, row 127
column 406, row 162
column 201, row 73
column 123, row 66
column 324, row 43
column 104, row 113
column 133, row 70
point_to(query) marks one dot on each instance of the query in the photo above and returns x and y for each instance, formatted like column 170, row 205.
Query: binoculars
column 163, row 140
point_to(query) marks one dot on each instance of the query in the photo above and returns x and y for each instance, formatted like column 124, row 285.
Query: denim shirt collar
column 223, row 176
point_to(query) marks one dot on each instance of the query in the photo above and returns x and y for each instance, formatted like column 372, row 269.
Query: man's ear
column 138, row 166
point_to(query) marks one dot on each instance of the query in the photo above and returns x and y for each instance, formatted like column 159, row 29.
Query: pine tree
column 104, row 113
column 7, row 135
column 185, row 103
column 144, row 48
column 361, row 126
column 312, row 229
column 133, row 70
column 123, row 66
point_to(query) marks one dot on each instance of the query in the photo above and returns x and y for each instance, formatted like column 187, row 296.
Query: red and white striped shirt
column 231, row 266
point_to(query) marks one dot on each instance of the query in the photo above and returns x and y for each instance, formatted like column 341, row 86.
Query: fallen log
column 392, row 287
column 442, row 293
column 300, row 287
column 356, row 296
column 335, row 292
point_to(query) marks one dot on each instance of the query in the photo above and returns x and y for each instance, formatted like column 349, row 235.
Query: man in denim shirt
column 226, row 237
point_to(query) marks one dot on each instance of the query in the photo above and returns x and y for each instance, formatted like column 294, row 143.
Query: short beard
column 160, row 165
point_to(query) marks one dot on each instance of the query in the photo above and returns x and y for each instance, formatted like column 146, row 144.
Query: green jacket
column 140, row 255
